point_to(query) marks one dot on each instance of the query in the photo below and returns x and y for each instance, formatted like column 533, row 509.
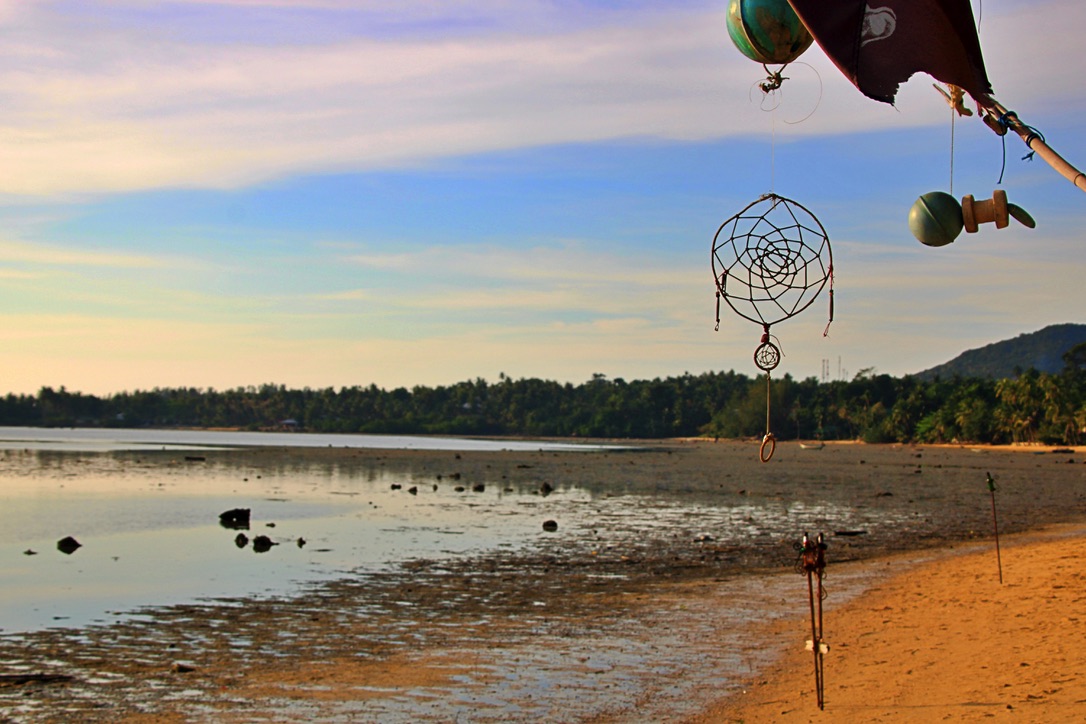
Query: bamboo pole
column 998, row 117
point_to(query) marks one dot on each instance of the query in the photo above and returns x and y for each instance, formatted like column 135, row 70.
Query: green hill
column 1042, row 350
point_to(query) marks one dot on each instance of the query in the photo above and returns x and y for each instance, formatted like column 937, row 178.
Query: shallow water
column 150, row 530
column 481, row 614
column 148, row 525
column 112, row 439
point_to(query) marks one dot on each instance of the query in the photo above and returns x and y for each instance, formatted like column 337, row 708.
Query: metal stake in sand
column 812, row 561
column 995, row 525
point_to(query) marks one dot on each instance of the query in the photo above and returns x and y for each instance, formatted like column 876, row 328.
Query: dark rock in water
column 195, row 458
column 68, row 545
column 301, row 542
column 479, row 487
column 30, row 552
column 459, row 488
column 180, row 668
column 414, row 490
column 396, row 486
column 704, row 538
column 546, row 489
column 455, row 476
column 849, row 533
column 550, row 525
column 262, row 544
column 236, row 518
column 241, row 540
column 34, row 678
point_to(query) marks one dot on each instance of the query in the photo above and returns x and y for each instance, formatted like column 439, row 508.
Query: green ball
column 768, row 31
column 936, row 219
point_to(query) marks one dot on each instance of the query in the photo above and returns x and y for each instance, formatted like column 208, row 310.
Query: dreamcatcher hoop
column 770, row 264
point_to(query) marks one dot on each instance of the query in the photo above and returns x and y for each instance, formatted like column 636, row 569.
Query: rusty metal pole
column 995, row 526
column 813, row 563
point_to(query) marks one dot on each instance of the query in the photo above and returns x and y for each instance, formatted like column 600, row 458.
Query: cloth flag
column 879, row 44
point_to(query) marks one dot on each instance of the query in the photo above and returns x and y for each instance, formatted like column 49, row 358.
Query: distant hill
column 1042, row 350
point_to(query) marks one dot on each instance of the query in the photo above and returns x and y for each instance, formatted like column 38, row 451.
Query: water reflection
column 113, row 439
column 149, row 525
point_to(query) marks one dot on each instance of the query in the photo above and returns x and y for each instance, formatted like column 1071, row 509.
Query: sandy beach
column 942, row 640
column 627, row 621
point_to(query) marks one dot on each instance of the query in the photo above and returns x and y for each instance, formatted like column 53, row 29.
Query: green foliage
column 1045, row 350
column 1033, row 406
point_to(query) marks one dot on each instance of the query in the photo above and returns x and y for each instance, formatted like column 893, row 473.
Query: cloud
column 569, row 277
column 15, row 252
column 101, row 107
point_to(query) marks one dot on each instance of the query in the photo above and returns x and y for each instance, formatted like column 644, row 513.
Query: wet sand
column 624, row 622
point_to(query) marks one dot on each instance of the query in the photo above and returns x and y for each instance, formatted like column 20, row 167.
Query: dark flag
column 879, row 44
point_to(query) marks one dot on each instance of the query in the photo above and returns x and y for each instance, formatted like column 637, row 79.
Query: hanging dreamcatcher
column 770, row 262
column 772, row 259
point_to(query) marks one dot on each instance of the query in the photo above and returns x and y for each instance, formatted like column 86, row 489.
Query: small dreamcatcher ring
column 767, row 356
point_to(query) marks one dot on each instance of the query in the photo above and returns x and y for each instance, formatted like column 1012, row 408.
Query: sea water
column 148, row 520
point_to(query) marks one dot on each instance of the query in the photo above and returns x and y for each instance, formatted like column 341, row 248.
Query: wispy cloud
column 38, row 254
column 124, row 106
column 572, row 277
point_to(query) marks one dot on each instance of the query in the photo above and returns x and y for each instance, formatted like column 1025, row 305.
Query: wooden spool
column 975, row 213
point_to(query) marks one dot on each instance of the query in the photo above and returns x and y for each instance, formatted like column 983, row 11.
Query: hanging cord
column 955, row 98
column 1032, row 136
column 769, row 442
column 1004, row 123
column 817, row 102
column 773, row 150
column 1003, row 138
column 953, row 114
column 826, row 331
column 767, row 357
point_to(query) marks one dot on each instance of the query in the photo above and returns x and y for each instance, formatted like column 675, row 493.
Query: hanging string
column 1004, row 123
column 773, row 150
column 768, row 399
column 769, row 442
column 953, row 113
column 1003, row 167
column 826, row 331
column 1033, row 135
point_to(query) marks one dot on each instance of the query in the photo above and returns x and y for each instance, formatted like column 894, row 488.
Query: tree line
column 1030, row 407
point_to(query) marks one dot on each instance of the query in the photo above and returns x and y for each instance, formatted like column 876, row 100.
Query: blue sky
column 339, row 192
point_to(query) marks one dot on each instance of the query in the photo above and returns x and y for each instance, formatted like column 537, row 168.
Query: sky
column 329, row 193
